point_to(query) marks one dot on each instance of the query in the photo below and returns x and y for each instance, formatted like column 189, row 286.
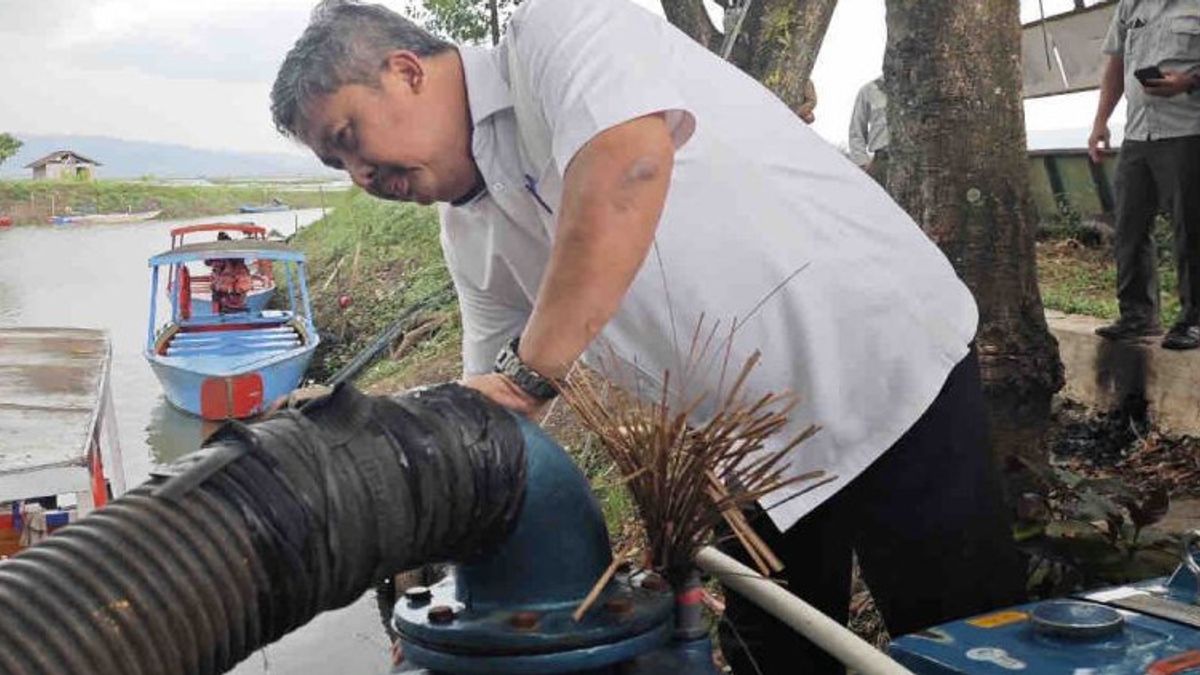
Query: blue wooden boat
column 228, row 365
column 273, row 205
column 104, row 218
column 261, row 274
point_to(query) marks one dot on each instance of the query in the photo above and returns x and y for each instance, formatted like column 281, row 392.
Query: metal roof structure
column 59, row 156
column 52, row 387
column 257, row 249
column 1061, row 54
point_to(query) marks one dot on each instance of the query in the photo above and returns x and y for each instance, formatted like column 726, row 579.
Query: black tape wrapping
column 267, row 526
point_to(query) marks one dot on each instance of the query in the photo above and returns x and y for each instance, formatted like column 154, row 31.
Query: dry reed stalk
column 594, row 594
column 685, row 479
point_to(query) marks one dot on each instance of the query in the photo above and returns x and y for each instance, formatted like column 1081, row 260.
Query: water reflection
column 173, row 433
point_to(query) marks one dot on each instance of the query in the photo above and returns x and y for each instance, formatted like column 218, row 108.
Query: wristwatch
column 509, row 364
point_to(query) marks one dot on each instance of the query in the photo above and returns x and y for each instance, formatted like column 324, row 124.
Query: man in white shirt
column 596, row 133
column 869, row 136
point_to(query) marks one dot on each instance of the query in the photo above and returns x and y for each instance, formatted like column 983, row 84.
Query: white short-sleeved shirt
column 865, row 335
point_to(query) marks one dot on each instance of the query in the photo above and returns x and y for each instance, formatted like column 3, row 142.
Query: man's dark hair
column 346, row 42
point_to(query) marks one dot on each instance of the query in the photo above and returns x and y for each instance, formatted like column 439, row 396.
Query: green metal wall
column 1065, row 181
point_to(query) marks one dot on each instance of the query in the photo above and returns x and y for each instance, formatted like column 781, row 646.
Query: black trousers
column 1154, row 176
column 927, row 523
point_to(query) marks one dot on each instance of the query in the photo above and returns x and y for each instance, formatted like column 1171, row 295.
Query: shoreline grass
column 33, row 202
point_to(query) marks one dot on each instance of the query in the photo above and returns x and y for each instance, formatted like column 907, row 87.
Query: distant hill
column 133, row 159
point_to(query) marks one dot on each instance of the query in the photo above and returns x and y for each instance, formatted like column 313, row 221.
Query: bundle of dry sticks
column 685, row 479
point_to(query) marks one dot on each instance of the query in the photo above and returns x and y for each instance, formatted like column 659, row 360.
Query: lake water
column 96, row 276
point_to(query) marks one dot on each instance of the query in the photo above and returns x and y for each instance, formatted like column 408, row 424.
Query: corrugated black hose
column 268, row 525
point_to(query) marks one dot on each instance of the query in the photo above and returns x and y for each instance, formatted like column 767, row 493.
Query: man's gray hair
column 346, row 42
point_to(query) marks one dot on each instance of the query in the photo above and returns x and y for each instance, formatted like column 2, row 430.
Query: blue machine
column 512, row 611
column 1151, row 627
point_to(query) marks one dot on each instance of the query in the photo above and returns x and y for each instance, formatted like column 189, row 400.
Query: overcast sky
column 199, row 73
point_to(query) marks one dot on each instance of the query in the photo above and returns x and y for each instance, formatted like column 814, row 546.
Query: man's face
column 407, row 139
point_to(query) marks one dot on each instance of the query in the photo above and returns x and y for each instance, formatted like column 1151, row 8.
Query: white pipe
column 837, row 640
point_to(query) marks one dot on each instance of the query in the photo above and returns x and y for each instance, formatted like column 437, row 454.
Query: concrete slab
column 1107, row 375
column 1183, row 516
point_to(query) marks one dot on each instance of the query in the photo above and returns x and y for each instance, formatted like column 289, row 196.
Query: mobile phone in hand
column 1149, row 73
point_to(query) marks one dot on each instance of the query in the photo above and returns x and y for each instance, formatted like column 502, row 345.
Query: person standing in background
column 1153, row 49
column 869, row 131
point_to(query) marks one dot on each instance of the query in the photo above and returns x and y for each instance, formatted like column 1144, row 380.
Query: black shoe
column 1182, row 336
column 1129, row 330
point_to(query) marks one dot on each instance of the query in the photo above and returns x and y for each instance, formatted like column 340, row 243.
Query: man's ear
column 405, row 66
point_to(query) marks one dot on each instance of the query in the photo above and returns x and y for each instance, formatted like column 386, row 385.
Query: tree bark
column 778, row 44
column 494, row 21
column 958, row 165
column 784, row 37
column 690, row 17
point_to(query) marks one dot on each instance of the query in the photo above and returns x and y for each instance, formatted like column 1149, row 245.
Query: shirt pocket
column 1184, row 37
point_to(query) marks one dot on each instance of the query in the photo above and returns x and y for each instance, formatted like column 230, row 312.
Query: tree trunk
column 690, row 17
column 784, row 37
column 778, row 43
column 958, row 166
column 494, row 21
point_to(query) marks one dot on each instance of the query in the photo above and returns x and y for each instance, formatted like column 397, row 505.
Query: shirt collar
column 487, row 88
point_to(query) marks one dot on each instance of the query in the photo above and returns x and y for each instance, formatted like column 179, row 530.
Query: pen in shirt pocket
column 531, row 185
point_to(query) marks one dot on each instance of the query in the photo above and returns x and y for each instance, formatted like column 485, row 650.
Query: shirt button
column 498, row 187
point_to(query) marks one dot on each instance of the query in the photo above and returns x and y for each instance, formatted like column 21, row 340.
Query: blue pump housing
column 511, row 611
column 1151, row 627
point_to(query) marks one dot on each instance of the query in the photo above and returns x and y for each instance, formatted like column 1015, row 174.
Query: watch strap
column 509, row 364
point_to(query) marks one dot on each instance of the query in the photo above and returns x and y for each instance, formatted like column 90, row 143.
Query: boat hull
column 105, row 218
column 234, row 393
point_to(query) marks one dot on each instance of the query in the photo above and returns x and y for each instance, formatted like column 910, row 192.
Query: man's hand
column 1172, row 83
column 1099, row 137
column 503, row 392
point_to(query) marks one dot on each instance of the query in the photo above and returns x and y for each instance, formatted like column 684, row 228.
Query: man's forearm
column 613, row 196
column 1112, row 87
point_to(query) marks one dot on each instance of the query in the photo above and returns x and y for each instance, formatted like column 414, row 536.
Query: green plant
column 8, row 146
column 1081, row 532
column 460, row 20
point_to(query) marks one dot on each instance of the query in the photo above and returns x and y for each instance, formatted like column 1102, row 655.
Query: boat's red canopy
column 249, row 229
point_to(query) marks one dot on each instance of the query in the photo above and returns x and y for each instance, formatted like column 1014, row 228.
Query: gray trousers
column 1154, row 176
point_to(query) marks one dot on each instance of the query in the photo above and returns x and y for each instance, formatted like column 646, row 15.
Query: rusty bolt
column 524, row 620
column 619, row 606
column 418, row 595
column 653, row 582
column 441, row 614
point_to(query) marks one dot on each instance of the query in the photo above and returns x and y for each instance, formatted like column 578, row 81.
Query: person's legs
column 1177, row 173
column 932, row 534
column 879, row 168
column 816, row 553
column 1137, row 273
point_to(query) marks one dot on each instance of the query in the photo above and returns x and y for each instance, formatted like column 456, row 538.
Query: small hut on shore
column 63, row 164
